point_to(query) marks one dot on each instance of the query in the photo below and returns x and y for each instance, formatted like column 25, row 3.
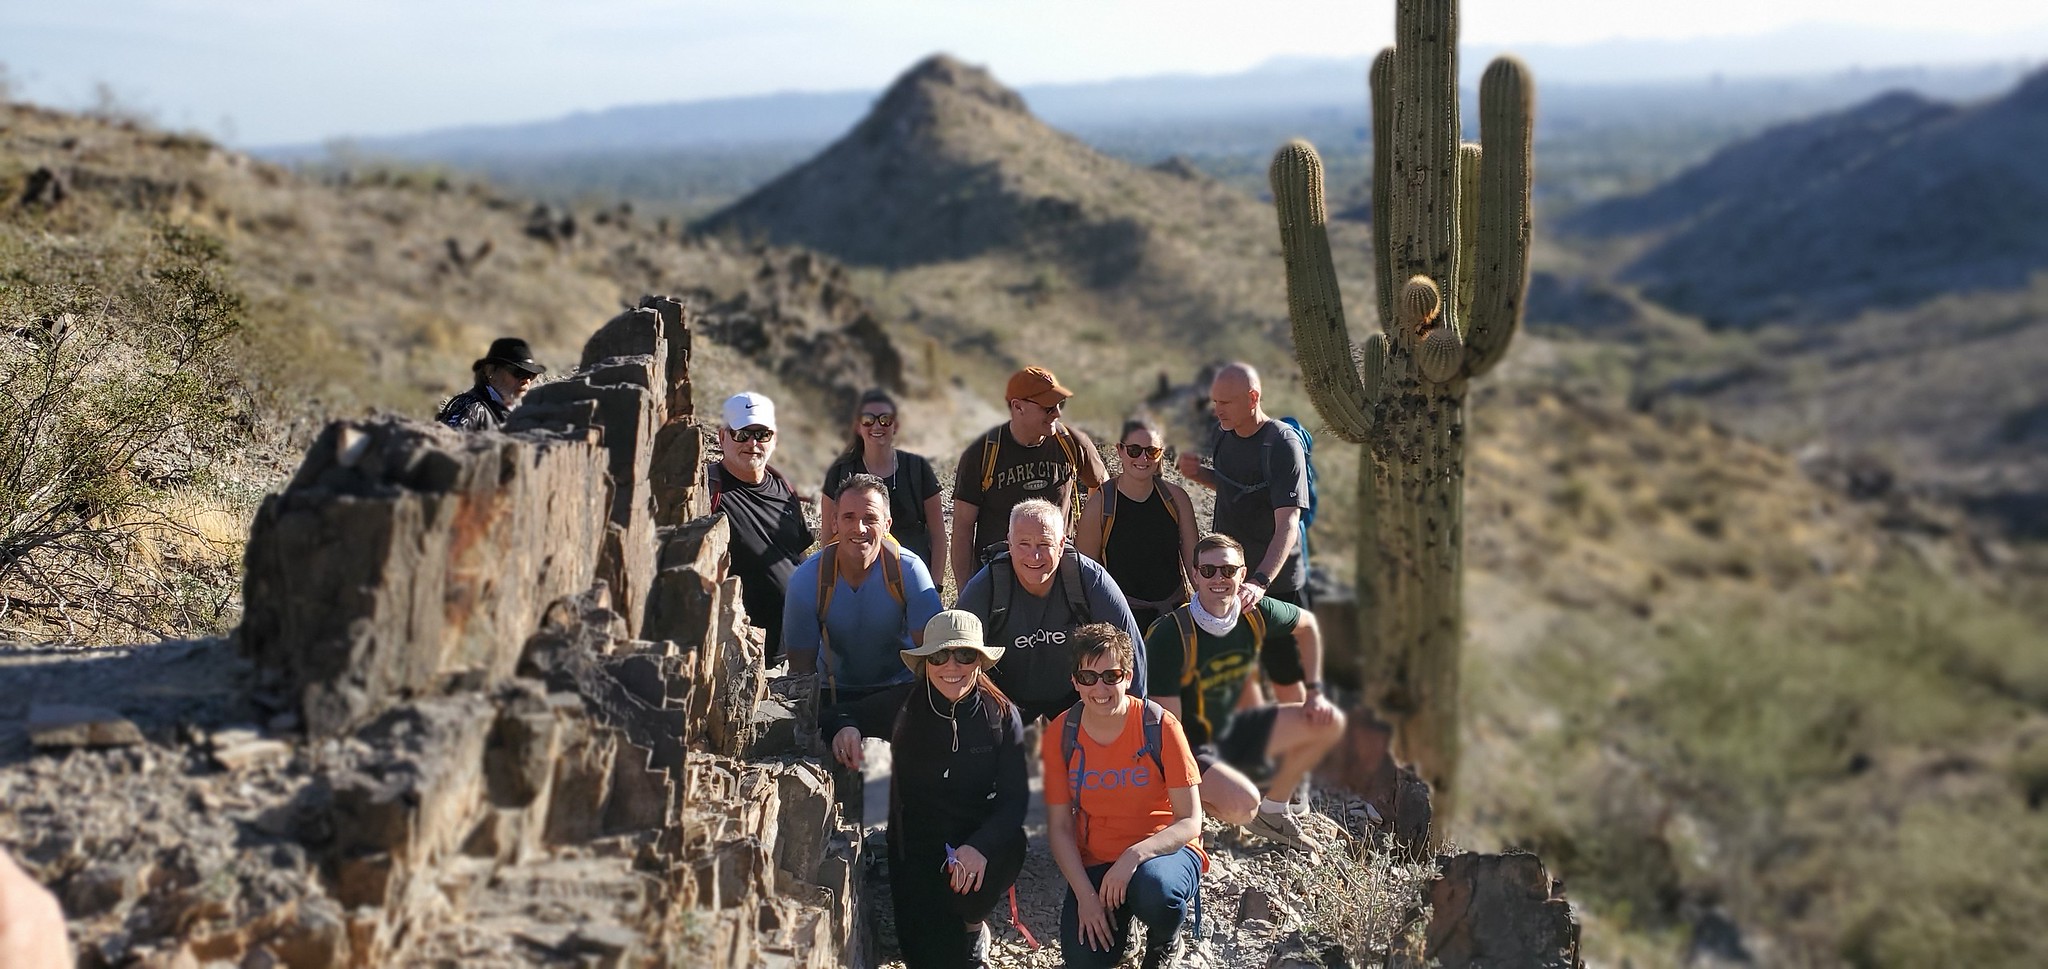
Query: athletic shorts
column 1241, row 742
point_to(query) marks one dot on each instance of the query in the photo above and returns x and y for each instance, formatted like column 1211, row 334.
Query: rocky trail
column 494, row 702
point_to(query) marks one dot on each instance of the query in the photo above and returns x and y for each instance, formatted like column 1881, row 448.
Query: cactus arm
column 1468, row 229
column 1321, row 340
column 1506, row 107
column 1381, row 82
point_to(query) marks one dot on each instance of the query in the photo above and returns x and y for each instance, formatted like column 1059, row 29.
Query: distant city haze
column 274, row 72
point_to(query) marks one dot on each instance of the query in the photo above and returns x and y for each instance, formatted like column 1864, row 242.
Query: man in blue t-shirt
column 878, row 597
column 1032, row 597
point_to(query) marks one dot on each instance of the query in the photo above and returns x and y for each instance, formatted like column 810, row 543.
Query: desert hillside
column 1749, row 713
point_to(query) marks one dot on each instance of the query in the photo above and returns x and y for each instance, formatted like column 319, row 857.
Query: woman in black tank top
column 1141, row 528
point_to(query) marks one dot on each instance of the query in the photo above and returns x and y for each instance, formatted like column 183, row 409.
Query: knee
column 1330, row 732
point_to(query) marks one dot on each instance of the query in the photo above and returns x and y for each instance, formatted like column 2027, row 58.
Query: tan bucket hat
column 954, row 627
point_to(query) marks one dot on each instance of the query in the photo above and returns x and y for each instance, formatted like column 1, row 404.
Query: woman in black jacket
column 958, row 794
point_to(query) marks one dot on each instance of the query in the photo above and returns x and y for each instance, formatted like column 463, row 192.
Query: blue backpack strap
column 1155, row 730
column 1070, row 744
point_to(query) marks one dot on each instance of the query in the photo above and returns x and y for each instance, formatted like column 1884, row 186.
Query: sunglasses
column 963, row 655
column 1141, row 451
column 1088, row 677
column 1052, row 409
column 1209, row 571
column 746, row 434
column 885, row 420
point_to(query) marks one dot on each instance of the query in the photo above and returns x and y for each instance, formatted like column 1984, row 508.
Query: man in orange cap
column 1033, row 455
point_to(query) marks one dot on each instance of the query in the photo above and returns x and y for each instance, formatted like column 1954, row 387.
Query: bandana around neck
column 1214, row 625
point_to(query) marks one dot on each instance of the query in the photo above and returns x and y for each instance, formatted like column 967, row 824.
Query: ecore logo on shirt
column 1139, row 775
column 1041, row 637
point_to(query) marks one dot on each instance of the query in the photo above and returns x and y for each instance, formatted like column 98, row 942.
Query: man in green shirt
column 1212, row 649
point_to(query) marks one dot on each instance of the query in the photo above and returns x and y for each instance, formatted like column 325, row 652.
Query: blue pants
column 1160, row 894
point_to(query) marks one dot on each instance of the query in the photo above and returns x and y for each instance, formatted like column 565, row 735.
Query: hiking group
column 1175, row 673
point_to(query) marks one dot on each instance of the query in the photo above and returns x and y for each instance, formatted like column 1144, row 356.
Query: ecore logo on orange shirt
column 1139, row 775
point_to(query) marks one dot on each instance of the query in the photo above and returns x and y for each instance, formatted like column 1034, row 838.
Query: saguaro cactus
column 1451, row 249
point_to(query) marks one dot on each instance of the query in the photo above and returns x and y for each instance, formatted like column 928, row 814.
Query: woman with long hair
column 957, row 795
column 1141, row 527
column 1123, row 811
column 915, row 505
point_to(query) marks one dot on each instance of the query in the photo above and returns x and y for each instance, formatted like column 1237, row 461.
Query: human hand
column 1116, row 882
column 846, row 747
column 1249, row 594
column 31, row 922
column 1319, row 710
column 968, row 865
column 1188, row 465
column 1095, row 931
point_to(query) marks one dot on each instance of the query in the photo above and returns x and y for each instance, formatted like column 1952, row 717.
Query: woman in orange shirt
column 1126, row 825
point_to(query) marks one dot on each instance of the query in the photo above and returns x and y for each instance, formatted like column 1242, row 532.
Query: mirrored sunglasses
column 746, row 434
column 885, row 420
column 963, row 655
column 1088, row 677
column 1209, row 571
column 1141, row 451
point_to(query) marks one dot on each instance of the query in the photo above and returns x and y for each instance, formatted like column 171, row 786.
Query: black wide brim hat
column 512, row 352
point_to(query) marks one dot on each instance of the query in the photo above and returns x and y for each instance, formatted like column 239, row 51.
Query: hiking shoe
column 1278, row 826
column 1167, row 955
column 977, row 950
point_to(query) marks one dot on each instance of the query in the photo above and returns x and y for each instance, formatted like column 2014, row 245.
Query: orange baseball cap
column 1037, row 385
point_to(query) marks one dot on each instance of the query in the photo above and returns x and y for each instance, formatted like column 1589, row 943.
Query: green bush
column 117, row 388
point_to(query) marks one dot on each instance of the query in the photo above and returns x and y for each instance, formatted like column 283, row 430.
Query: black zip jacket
column 976, row 795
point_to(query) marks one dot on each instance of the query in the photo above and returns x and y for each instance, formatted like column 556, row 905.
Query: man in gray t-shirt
column 1045, row 590
column 1260, row 477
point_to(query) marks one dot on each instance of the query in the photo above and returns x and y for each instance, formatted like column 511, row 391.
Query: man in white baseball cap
column 762, row 511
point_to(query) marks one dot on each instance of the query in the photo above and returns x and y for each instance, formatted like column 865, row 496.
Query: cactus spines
column 1451, row 261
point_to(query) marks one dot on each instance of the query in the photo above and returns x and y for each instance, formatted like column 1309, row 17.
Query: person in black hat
column 501, row 379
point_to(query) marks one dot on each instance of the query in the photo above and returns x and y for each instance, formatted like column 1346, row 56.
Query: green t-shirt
column 1223, row 665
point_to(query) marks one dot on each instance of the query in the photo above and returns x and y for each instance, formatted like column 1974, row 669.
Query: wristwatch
column 1312, row 686
column 1260, row 579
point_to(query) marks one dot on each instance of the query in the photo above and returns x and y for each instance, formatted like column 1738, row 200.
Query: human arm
column 1012, row 799
column 1061, row 837
column 962, row 540
column 1286, row 533
column 32, row 931
column 1190, row 467
column 1308, row 641
column 802, row 631
column 1088, row 537
column 1091, row 470
column 843, row 724
column 920, row 597
column 1186, row 507
column 935, row 524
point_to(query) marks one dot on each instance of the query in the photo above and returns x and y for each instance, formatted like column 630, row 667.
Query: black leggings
column 931, row 918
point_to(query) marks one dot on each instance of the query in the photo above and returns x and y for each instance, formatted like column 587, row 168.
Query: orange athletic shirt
column 1123, row 798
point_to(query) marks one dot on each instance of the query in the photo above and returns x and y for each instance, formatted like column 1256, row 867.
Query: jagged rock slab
column 403, row 554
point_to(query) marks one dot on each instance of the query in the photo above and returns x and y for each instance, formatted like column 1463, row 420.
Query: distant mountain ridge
column 1887, row 204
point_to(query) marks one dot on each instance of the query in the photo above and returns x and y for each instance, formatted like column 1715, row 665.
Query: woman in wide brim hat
column 958, row 792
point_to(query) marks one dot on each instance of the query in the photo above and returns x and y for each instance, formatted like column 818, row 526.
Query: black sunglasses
column 1141, row 451
column 746, row 434
column 1088, row 677
column 963, row 655
column 1209, row 571
column 870, row 420
column 1050, row 409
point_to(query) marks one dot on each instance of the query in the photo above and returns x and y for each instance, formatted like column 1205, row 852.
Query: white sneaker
column 1299, row 804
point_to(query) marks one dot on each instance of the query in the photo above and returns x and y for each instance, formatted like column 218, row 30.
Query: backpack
column 1003, row 581
column 1109, row 496
column 1070, row 744
column 1185, row 622
column 1308, row 465
column 828, row 583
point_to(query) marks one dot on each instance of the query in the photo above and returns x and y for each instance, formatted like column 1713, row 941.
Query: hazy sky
column 276, row 71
